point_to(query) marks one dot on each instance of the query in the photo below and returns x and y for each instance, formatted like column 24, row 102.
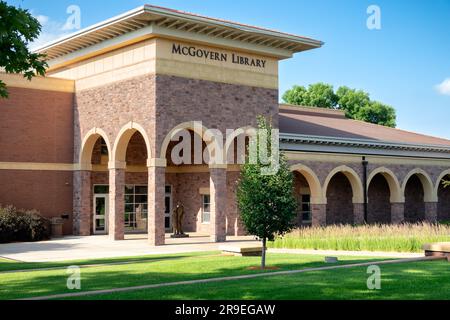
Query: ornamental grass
column 406, row 237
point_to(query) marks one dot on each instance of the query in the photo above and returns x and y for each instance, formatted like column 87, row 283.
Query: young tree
column 266, row 201
column 17, row 29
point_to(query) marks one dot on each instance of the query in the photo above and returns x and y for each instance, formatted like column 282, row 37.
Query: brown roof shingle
column 333, row 123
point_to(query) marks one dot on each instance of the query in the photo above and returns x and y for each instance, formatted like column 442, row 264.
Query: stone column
column 319, row 214
column 358, row 213
column 82, row 203
column 397, row 212
column 218, row 192
column 116, row 200
column 156, row 204
column 431, row 209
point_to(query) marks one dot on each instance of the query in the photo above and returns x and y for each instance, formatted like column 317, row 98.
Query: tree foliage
column 17, row 29
column 356, row 103
column 266, row 202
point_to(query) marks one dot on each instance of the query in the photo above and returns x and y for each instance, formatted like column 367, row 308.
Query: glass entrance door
column 101, row 210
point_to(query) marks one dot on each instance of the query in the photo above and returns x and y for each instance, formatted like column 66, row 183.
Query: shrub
column 22, row 225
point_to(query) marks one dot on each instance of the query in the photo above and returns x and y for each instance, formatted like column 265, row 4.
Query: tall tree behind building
column 356, row 103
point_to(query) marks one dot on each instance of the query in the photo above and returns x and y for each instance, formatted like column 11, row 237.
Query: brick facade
column 379, row 206
column 380, row 209
column 37, row 126
column 154, row 105
column 414, row 200
column 339, row 200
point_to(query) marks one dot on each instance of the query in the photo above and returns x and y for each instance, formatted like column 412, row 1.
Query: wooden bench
column 242, row 251
column 438, row 249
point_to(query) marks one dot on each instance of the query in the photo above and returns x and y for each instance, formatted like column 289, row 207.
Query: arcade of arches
column 122, row 190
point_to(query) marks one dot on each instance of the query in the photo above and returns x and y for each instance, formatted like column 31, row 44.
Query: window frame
column 206, row 213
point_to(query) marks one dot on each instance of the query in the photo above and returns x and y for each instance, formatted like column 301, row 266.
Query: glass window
column 136, row 207
column 141, row 190
column 101, row 189
column 306, row 207
column 103, row 147
column 206, row 208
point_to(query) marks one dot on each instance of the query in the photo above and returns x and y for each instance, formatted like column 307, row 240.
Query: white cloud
column 444, row 87
column 42, row 19
column 51, row 30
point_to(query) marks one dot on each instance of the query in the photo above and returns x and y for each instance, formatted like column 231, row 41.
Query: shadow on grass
column 49, row 282
column 12, row 265
column 410, row 281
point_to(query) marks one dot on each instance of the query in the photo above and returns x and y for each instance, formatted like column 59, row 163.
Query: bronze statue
column 177, row 218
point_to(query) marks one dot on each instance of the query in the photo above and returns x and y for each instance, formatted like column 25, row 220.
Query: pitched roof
column 333, row 123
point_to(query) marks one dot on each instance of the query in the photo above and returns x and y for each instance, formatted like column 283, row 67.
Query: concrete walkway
column 242, row 277
column 97, row 247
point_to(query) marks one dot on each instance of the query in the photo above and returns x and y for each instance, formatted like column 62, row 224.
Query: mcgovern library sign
column 193, row 51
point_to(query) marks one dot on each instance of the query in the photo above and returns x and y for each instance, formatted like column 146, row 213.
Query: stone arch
column 123, row 138
column 443, row 194
column 354, row 179
column 87, row 147
column 428, row 186
column 439, row 180
column 313, row 182
column 195, row 126
column 396, row 194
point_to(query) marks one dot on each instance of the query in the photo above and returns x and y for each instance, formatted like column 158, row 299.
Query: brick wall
column 414, row 205
column 444, row 203
column 36, row 126
column 300, row 183
column 218, row 105
column 50, row 192
column 339, row 205
column 379, row 206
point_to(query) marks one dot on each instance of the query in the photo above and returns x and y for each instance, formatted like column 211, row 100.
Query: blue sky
column 401, row 64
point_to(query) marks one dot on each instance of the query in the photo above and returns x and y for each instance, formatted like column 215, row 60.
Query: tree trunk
column 263, row 255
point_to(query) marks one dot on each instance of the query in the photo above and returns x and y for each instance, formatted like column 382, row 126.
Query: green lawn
column 143, row 271
column 11, row 265
column 411, row 281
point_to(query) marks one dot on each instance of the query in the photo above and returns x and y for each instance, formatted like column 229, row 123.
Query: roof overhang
column 151, row 21
column 307, row 143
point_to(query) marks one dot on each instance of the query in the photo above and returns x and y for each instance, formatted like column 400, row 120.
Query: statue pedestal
column 176, row 236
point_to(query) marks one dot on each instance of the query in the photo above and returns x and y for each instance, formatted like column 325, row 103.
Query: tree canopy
column 356, row 103
column 18, row 28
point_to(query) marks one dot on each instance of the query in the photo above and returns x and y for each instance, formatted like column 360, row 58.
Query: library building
column 91, row 142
